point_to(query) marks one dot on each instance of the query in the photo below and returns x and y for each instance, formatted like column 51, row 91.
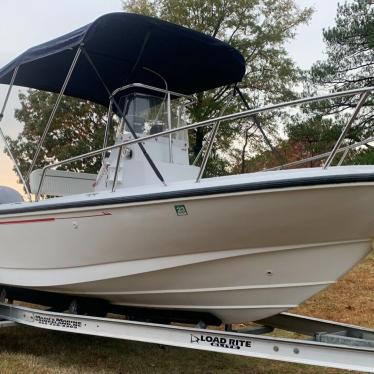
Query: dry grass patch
column 351, row 300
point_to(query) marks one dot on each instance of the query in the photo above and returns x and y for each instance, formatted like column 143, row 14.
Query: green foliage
column 315, row 135
column 77, row 128
column 350, row 48
column 349, row 64
column 362, row 157
column 259, row 29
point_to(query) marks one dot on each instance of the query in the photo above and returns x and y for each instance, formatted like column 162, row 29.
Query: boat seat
column 62, row 183
column 9, row 195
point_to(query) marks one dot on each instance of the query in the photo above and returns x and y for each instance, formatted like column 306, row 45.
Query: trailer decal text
column 57, row 322
column 223, row 342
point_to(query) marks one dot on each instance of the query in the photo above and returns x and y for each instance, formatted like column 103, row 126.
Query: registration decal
column 181, row 210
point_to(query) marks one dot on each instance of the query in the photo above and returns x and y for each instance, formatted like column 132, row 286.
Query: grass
column 26, row 349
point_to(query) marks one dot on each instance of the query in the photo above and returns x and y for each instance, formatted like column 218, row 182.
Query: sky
column 26, row 23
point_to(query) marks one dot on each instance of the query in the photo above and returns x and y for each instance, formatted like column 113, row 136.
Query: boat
column 149, row 232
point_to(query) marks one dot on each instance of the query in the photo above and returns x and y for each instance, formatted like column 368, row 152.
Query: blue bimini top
column 124, row 48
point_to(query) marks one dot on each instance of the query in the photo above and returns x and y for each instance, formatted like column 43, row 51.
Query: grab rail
column 225, row 118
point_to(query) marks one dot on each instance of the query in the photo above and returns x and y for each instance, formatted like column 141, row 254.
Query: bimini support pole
column 2, row 135
column 170, row 127
column 54, row 110
column 11, row 84
column 107, row 129
column 120, row 112
column 257, row 122
column 211, row 140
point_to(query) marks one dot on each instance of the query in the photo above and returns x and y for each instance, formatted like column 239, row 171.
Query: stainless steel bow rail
column 332, row 344
column 363, row 92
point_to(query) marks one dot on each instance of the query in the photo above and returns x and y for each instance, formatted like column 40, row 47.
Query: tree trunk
column 243, row 151
column 198, row 141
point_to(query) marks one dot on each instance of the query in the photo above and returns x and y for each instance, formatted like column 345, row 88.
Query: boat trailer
column 328, row 344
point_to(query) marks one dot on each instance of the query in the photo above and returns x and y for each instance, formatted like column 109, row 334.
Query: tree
column 350, row 48
column 349, row 64
column 78, row 128
column 258, row 29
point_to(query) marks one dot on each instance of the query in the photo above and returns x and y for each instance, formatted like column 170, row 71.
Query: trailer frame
column 330, row 344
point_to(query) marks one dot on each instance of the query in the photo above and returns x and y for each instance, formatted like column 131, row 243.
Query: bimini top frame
column 128, row 48
column 122, row 49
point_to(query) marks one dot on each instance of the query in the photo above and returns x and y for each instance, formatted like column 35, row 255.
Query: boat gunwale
column 313, row 181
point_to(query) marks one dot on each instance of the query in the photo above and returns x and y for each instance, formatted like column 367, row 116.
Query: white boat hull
column 241, row 256
column 261, row 283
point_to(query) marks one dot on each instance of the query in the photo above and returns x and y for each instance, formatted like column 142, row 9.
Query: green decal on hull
column 181, row 210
